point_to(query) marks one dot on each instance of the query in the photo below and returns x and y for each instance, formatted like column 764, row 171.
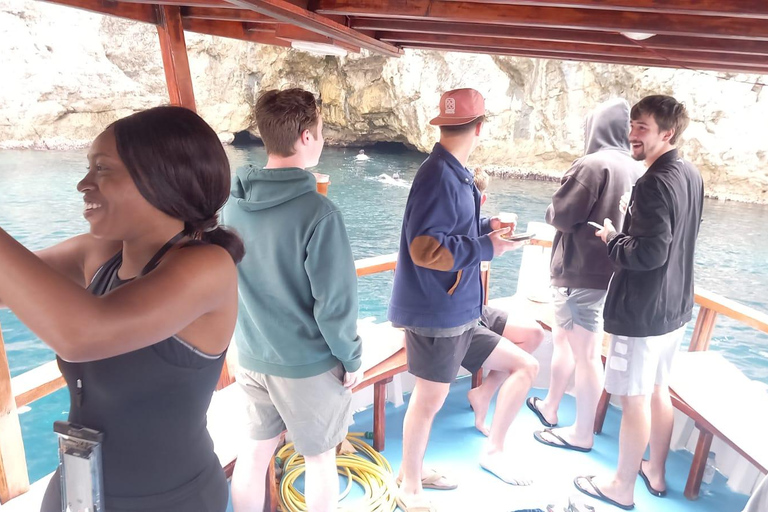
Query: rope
column 368, row 468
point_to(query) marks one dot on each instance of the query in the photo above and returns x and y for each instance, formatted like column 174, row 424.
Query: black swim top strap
column 159, row 254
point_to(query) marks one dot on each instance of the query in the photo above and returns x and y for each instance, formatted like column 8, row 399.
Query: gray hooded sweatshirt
column 590, row 191
column 297, row 314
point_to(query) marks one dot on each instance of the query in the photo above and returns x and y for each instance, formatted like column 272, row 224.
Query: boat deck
column 455, row 444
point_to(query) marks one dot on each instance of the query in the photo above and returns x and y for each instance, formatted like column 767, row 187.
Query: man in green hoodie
column 296, row 333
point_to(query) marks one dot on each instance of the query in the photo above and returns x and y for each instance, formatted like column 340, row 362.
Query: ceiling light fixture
column 319, row 48
column 637, row 36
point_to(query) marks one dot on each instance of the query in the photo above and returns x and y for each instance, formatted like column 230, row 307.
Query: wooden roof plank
column 231, row 14
column 403, row 38
column 586, row 57
column 137, row 12
column 222, row 4
column 286, row 12
column 232, row 30
column 552, row 17
column 739, row 8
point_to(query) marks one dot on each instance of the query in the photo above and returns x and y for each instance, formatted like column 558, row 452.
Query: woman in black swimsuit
column 140, row 311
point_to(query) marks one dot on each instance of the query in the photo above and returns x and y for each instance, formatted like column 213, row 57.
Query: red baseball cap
column 459, row 106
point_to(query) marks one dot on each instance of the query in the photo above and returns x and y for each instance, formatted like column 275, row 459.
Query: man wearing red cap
column 438, row 298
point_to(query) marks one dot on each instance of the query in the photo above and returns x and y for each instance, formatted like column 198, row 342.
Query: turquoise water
column 40, row 207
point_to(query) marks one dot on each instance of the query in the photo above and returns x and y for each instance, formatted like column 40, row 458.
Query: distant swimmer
column 396, row 175
column 361, row 156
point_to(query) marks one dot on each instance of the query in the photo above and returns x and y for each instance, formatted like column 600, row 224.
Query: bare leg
column 563, row 365
column 633, row 439
column 321, row 486
column 250, row 475
column 662, row 421
column 527, row 335
column 426, row 400
column 589, row 384
column 522, row 369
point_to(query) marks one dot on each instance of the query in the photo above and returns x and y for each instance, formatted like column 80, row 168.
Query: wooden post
column 175, row 61
column 13, row 465
column 702, row 331
column 693, row 485
column 379, row 413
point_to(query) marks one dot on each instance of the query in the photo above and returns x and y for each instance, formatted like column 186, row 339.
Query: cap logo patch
column 450, row 106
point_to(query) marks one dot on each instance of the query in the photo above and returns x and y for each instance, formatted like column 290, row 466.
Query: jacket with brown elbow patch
column 442, row 242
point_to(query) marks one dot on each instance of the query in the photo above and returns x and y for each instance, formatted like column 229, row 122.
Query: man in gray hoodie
column 296, row 333
column 580, row 270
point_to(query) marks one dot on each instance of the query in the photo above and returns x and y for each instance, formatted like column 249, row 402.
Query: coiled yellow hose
column 367, row 467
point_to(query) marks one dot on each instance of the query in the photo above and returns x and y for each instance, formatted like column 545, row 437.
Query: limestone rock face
column 67, row 74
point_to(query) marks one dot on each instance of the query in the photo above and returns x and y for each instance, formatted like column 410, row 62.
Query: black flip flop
column 531, row 403
column 597, row 494
column 565, row 444
column 654, row 492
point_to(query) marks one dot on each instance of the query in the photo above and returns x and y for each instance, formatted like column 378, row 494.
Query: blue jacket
column 443, row 241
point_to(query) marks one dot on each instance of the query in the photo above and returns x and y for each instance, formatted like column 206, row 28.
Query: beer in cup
column 508, row 220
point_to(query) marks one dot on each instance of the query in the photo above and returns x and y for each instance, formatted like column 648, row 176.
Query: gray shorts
column 579, row 306
column 316, row 410
column 635, row 365
column 437, row 359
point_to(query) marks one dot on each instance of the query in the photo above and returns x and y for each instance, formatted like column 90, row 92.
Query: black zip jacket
column 651, row 292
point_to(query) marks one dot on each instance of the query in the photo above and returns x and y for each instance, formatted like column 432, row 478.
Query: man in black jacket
column 650, row 298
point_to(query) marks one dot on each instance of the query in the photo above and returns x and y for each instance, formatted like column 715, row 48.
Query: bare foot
column 417, row 502
column 498, row 464
column 480, row 405
column 655, row 478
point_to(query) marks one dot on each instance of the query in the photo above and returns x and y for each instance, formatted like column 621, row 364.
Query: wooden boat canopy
column 714, row 35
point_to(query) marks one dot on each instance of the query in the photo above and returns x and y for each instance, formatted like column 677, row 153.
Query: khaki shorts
column 579, row 306
column 315, row 410
column 635, row 365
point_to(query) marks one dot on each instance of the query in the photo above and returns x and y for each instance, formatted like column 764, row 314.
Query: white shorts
column 635, row 365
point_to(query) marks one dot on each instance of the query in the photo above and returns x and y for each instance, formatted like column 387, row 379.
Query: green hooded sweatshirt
column 297, row 314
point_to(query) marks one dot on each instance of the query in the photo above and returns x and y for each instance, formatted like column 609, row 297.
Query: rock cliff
column 68, row 73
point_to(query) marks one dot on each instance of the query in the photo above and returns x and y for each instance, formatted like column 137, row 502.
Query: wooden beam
column 289, row 13
column 294, row 33
column 232, row 14
column 175, row 60
column 261, row 28
column 13, row 465
column 719, row 58
column 586, row 57
column 232, row 30
column 136, row 12
column 220, row 4
column 37, row 383
column 552, row 17
column 476, row 29
column 658, row 42
column 402, row 38
column 739, row 8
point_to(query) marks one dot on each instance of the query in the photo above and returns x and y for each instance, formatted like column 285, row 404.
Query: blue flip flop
column 597, row 494
column 531, row 403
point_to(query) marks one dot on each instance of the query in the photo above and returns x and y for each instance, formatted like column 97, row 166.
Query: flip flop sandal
column 431, row 480
column 539, row 435
column 597, row 494
column 654, row 492
column 531, row 403
column 413, row 508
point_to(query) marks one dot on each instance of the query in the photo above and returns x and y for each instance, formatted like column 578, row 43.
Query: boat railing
column 40, row 382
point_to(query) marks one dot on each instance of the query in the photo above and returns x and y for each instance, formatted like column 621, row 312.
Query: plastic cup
column 323, row 180
column 508, row 220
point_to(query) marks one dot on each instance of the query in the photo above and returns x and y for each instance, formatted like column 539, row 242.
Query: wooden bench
column 722, row 402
